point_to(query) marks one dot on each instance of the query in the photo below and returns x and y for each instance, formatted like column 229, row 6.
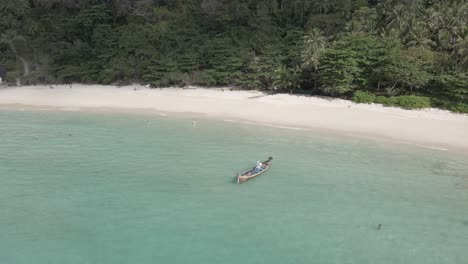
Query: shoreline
column 431, row 128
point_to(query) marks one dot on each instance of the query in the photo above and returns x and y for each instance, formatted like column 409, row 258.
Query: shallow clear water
column 110, row 188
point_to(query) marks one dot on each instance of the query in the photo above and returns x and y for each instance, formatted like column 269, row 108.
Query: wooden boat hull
column 249, row 174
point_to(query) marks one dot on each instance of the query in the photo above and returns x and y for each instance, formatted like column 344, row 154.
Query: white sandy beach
column 430, row 128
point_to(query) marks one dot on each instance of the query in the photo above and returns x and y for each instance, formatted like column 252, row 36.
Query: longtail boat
column 252, row 173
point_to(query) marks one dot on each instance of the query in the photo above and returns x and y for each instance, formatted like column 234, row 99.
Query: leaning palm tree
column 14, row 19
column 11, row 38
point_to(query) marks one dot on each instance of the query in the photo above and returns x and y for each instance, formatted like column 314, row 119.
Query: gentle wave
column 263, row 124
column 425, row 146
column 71, row 109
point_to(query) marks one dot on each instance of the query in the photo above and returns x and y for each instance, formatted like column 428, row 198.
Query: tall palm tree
column 300, row 8
column 286, row 78
column 345, row 8
column 314, row 43
column 18, row 8
column 461, row 53
column 417, row 33
column 365, row 20
column 321, row 6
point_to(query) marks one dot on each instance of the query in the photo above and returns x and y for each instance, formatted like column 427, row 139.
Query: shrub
column 204, row 78
column 405, row 101
column 460, row 107
column 387, row 101
column 171, row 79
column 363, row 97
column 413, row 102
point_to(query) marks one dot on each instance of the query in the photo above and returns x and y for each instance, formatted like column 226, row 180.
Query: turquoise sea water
column 110, row 188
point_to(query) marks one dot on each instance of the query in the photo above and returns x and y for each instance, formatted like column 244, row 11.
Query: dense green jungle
column 406, row 53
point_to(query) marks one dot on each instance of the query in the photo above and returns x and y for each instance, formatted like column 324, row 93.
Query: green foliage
column 459, row 107
column 413, row 102
column 453, row 85
column 262, row 68
column 92, row 16
column 338, row 47
column 387, row 101
column 340, row 71
column 286, row 78
column 382, row 63
column 404, row 101
column 364, row 97
column 13, row 14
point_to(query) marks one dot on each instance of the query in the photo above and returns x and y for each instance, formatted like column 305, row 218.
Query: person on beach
column 194, row 123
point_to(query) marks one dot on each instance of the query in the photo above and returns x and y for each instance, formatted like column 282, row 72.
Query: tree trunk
column 25, row 70
column 22, row 60
column 316, row 74
column 378, row 87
